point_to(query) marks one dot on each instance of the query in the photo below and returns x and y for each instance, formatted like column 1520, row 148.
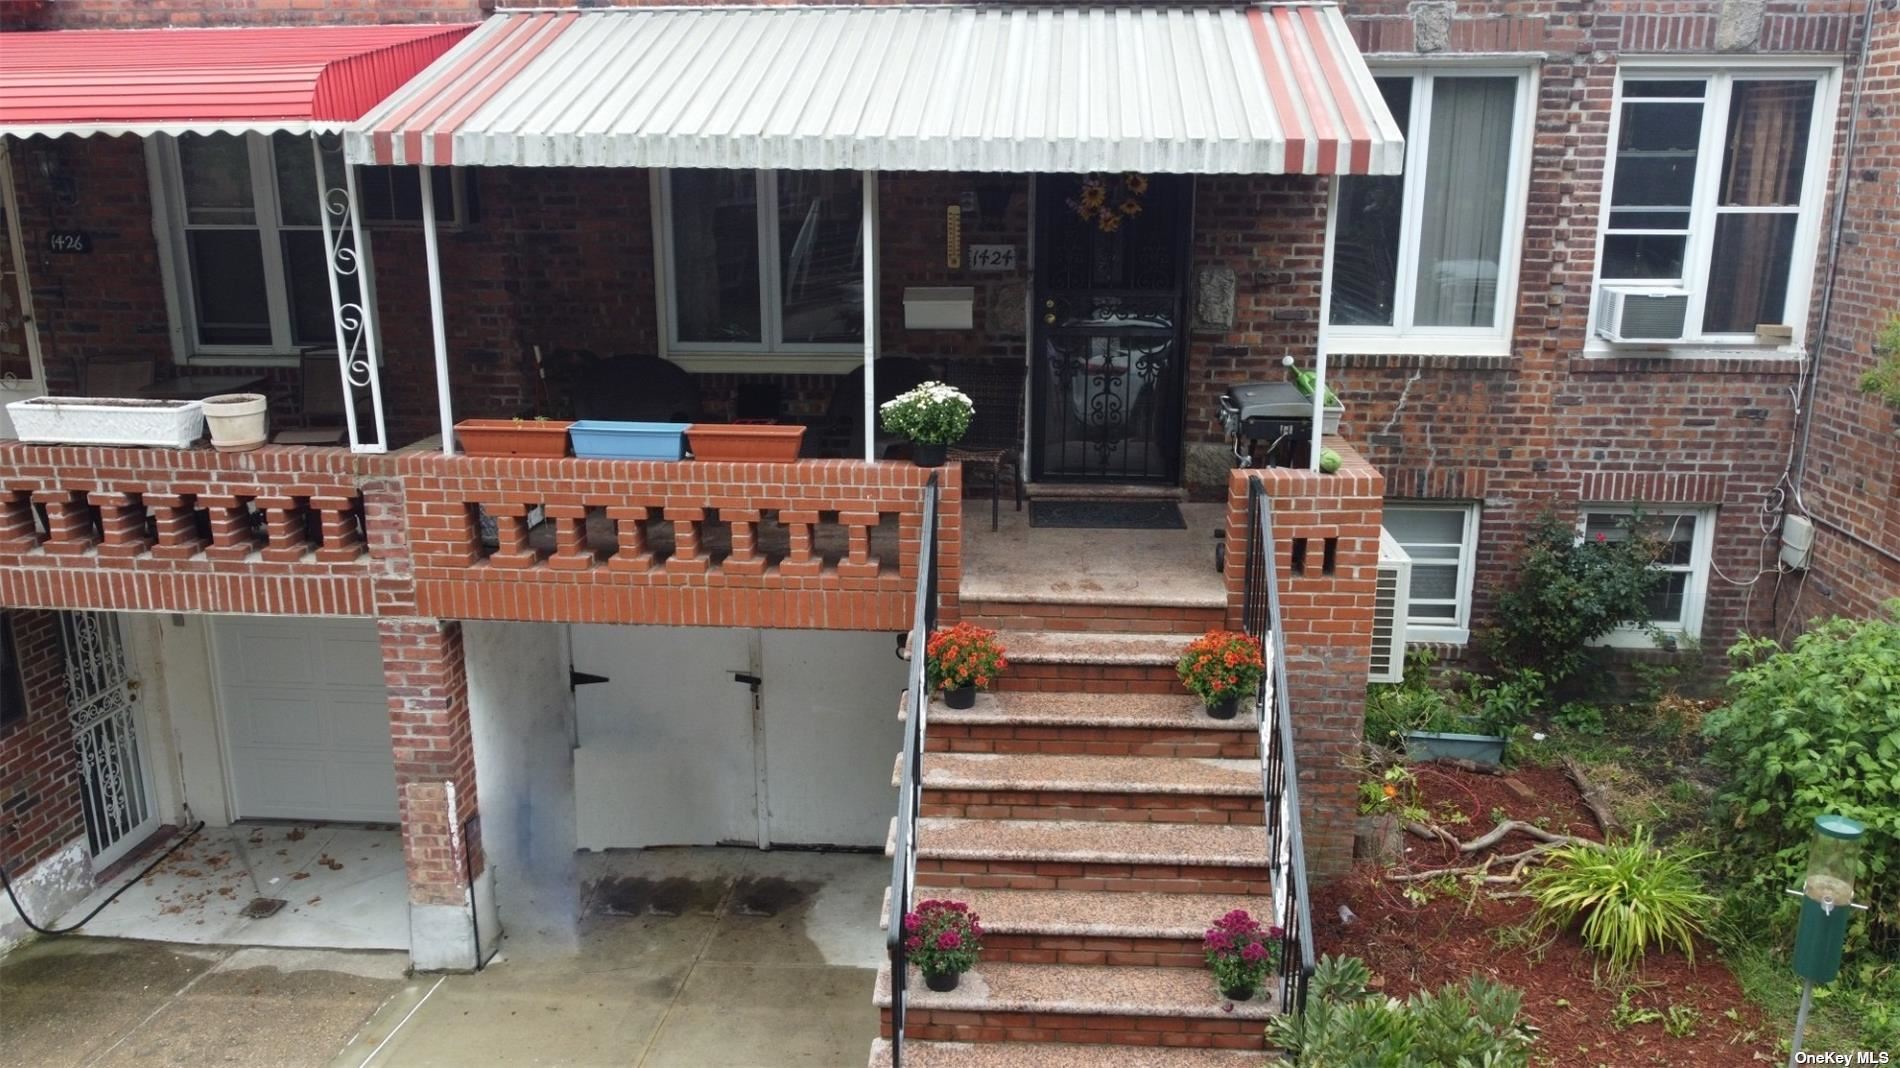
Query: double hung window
column 246, row 227
column 1429, row 258
column 1715, row 189
column 762, row 263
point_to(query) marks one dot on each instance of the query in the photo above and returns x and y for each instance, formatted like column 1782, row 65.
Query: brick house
column 1682, row 159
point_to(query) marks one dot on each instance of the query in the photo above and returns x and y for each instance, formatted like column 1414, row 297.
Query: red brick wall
column 1326, row 628
column 427, row 682
column 39, row 774
column 1850, row 480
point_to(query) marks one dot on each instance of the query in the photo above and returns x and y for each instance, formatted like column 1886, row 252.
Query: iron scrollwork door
column 1111, row 256
column 115, row 783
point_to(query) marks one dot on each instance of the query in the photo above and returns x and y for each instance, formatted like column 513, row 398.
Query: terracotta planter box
column 754, row 442
column 513, row 437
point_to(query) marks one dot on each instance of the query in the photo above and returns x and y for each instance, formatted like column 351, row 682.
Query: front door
column 115, row 780
column 1109, row 348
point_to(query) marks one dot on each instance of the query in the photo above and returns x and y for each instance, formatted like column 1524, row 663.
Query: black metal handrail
column 910, row 782
column 1279, row 771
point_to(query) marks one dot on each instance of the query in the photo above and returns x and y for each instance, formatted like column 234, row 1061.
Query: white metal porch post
column 355, row 322
column 869, row 226
column 438, row 330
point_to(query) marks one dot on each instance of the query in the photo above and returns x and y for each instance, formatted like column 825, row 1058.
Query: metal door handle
column 1050, row 318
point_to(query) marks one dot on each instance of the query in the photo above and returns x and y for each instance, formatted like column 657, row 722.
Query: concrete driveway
column 708, row 958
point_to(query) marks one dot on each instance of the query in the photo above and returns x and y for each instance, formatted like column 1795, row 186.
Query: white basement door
column 306, row 719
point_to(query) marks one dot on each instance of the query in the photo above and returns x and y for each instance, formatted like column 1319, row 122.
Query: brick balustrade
column 819, row 543
column 278, row 530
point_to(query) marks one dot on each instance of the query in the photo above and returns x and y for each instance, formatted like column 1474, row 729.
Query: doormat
column 1111, row 515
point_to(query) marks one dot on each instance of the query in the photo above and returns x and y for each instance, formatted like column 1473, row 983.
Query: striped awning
column 259, row 79
column 1272, row 89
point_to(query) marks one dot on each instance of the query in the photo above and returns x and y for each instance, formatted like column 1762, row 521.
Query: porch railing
column 1279, row 772
column 910, row 784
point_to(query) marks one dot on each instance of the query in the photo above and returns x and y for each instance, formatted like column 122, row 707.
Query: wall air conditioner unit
column 1391, row 603
column 1641, row 315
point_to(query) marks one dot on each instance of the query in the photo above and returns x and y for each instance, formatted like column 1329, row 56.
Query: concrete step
column 1097, row 491
column 919, row 1054
column 1092, row 662
column 1173, row 724
column 1119, row 788
column 1188, row 858
column 1078, row 1003
column 1073, row 927
column 1097, row 613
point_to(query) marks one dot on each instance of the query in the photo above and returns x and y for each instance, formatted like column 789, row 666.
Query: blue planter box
column 604, row 439
column 1486, row 749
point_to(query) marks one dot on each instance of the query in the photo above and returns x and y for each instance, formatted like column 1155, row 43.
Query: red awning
column 203, row 80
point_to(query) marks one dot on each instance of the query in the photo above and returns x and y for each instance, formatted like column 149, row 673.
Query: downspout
column 1804, row 411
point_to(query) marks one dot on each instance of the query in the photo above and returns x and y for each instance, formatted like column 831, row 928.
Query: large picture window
column 1715, row 188
column 763, row 262
column 247, row 236
column 1430, row 256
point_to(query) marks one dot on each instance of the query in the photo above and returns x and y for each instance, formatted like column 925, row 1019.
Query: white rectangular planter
column 171, row 424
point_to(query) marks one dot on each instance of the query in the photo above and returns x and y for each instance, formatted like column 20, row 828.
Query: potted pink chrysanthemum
column 1241, row 952
column 944, row 939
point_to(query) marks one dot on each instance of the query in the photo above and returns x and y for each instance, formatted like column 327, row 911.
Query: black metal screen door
column 1111, row 254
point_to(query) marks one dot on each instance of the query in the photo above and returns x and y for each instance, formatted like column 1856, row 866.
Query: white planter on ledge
column 236, row 421
column 169, row 424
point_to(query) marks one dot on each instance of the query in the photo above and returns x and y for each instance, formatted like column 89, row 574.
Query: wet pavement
column 687, row 957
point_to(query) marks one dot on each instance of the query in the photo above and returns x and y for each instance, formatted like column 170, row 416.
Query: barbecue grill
column 1271, row 423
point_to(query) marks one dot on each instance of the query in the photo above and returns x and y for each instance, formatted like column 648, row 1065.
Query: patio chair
column 841, row 431
column 994, row 443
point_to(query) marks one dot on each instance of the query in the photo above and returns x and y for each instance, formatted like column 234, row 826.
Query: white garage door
column 306, row 719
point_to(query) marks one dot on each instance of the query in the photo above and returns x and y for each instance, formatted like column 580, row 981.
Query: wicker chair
column 994, row 443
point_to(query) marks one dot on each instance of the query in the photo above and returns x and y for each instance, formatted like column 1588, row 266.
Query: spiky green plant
column 1630, row 895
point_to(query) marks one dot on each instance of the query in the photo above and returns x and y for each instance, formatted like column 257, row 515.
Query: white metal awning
column 1276, row 88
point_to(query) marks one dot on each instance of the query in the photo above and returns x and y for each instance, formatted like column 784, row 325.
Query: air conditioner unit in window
column 1391, row 603
column 1641, row 315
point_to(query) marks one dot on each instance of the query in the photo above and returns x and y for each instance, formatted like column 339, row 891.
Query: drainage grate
column 262, row 908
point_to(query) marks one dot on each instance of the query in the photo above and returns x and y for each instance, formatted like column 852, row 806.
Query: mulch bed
column 1412, row 946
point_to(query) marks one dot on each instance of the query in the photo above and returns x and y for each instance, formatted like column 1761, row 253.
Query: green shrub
column 1884, row 380
column 1347, row 1025
column 1569, row 591
column 1808, row 730
column 1580, row 717
column 1631, row 896
column 1412, row 704
column 1500, row 706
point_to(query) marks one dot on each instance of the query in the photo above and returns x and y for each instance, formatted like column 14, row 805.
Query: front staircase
column 1098, row 821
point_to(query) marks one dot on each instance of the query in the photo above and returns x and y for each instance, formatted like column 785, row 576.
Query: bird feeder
column 1826, row 897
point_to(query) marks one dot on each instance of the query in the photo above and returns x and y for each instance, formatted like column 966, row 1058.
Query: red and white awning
column 1277, row 88
column 207, row 80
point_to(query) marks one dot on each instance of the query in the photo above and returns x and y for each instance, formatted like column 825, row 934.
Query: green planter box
column 1486, row 749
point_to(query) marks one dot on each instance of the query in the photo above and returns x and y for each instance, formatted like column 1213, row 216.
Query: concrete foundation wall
column 521, row 717
column 47, row 890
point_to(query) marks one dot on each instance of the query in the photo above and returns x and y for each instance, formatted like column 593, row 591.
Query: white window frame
column 1694, row 595
column 170, row 226
column 1494, row 340
column 770, row 354
column 1457, row 630
column 1722, row 73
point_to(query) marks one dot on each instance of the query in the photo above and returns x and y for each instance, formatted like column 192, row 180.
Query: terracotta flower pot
column 513, row 437
column 752, row 442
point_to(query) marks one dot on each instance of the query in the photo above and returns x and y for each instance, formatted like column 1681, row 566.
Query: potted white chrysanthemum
column 932, row 417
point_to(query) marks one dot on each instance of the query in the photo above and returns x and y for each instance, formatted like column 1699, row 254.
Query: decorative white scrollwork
column 351, row 320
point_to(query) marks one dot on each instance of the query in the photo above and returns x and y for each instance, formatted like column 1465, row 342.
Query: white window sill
column 1437, row 635
column 1487, row 344
column 1691, row 352
column 1669, row 639
column 782, row 363
column 261, row 358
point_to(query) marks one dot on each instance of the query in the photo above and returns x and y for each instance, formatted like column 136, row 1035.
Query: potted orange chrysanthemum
column 1221, row 667
column 961, row 660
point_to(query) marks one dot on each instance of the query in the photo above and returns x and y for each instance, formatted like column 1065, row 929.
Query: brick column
column 427, row 681
column 1326, row 628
